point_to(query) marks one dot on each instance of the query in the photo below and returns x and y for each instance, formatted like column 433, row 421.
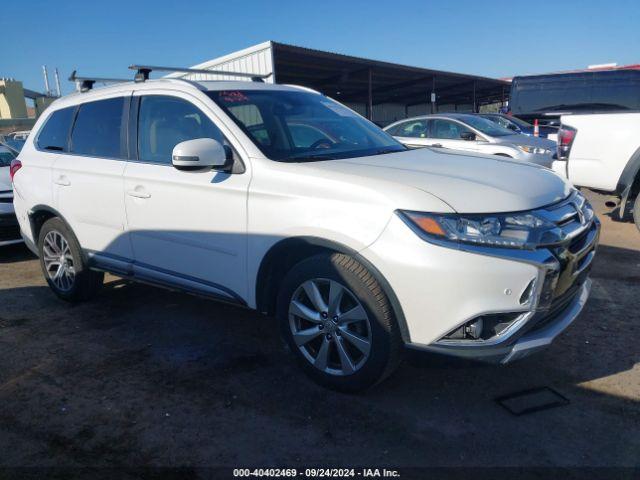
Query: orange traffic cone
column 536, row 129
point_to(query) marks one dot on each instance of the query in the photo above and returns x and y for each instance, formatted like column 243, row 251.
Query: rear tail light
column 15, row 166
column 566, row 136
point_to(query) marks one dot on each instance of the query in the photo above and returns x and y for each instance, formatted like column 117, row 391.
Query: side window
column 98, row 129
column 165, row 121
column 53, row 135
column 447, row 129
column 412, row 129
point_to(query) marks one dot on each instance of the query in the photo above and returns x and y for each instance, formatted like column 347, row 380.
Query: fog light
column 471, row 331
column 485, row 327
column 474, row 329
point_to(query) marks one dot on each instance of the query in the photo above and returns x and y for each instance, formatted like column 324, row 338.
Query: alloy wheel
column 330, row 326
column 58, row 261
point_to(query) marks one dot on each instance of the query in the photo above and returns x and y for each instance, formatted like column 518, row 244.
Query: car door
column 187, row 228
column 412, row 133
column 88, row 182
column 447, row 133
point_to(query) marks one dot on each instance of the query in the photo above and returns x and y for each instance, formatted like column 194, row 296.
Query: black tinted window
column 53, row 135
column 586, row 91
column 163, row 122
column 98, row 129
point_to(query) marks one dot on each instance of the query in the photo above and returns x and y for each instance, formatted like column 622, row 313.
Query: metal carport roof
column 355, row 79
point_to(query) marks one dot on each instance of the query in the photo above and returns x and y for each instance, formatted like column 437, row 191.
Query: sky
column 488, row 38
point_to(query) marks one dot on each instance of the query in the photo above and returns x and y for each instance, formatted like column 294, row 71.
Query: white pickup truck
column 602, row 152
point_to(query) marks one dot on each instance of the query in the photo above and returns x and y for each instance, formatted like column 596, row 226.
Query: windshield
column 303, row 126
column 486, row 126
column 508, row 122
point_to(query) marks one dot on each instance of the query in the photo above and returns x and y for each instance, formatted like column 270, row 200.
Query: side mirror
column 199, row 154
column 468, row 136
column 513, row 127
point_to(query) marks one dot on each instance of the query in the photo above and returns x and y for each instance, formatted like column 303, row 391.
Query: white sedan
column 471, row 133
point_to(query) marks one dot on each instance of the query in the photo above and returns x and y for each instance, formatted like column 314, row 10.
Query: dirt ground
column 146, row 377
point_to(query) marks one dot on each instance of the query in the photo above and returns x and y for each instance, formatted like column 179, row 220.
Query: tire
column 75, row 282
column 636, row 212
column 363, row 316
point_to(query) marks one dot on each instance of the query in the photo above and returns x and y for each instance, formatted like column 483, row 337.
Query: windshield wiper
column 318, row 156
column 384, row 151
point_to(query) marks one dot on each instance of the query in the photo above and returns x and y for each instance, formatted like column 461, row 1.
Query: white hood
column 468, row 183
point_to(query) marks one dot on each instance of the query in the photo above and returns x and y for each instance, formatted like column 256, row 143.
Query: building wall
column 41, row 104
column 257, row 59
column 12, row 104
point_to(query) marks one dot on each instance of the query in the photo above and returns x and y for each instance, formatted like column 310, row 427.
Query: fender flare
column 309, row 242
column 629, row 178
column 54, row 213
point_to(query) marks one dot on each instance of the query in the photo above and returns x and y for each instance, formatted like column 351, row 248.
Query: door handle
column 138, row 193
column 62, row 181
column 437, row 145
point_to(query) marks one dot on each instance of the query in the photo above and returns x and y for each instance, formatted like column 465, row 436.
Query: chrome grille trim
column 572, row 217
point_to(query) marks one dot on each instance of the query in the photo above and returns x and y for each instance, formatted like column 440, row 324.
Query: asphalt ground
column 144, row 377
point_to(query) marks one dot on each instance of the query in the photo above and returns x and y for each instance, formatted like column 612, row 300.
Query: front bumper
column 544, row 329
column 441, row 289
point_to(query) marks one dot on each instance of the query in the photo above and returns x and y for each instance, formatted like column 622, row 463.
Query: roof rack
column 143, row 71
column 86, row 83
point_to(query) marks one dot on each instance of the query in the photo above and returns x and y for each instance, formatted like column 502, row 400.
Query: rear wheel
column 63, row 264
column 338, row 322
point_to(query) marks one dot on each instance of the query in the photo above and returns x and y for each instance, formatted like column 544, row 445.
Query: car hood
column 468, row 183
column 531, row 141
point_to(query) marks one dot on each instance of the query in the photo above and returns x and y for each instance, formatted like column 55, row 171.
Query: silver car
column 472, row 133
column 9, row 230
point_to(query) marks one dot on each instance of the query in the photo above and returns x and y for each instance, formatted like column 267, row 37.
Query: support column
column 475, row 108
column 433, row 91
column 370, row 96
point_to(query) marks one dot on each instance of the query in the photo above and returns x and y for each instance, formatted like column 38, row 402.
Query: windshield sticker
column 233, row 96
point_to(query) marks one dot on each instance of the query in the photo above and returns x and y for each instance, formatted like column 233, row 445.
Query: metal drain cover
column 532, row 400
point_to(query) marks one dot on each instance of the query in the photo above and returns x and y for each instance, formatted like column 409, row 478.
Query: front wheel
column 636, row 211
column 338, row 322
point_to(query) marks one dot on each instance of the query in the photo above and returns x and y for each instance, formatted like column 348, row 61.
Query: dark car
column 520, row 126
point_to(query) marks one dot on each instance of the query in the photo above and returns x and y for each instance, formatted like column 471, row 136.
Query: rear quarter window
column 54, row 133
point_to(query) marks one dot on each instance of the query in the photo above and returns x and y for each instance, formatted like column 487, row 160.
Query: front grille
column 558, row 305
column 578, row 229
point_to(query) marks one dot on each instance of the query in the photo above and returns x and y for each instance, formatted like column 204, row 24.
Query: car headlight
column 518, row 230
column 536, row 150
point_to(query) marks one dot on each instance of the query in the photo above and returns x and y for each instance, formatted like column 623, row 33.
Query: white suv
column 280, row 199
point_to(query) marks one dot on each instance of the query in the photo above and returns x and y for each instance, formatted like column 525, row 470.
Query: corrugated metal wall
column 257, row 59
